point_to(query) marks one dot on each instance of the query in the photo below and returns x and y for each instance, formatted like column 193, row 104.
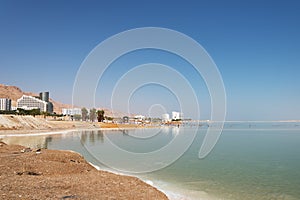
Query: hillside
column 14, row 93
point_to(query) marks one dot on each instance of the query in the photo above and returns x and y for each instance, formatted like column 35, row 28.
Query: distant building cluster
column 165, row 118
column 41, row 102
column 137, row 119
column 28, row 103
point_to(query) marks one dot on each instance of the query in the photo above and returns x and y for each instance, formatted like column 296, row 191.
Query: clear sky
column 255, row 44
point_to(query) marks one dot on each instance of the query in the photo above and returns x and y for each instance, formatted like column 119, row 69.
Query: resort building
column 44, row 96
column 5, row 104
column 139, row 117
column 165, row 118
column 177, row 115
column 28, row 102
column 71, row 111
column 13, row 108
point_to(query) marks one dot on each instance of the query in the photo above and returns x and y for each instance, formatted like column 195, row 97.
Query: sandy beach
column 52, row 174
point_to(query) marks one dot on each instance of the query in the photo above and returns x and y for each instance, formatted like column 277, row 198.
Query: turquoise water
column 250, row 160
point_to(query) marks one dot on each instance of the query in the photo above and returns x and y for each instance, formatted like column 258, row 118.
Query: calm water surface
column 250, row 160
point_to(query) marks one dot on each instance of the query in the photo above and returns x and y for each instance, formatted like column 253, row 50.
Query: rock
column 26, row 150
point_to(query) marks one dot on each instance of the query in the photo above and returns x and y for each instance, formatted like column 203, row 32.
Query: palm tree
column 100, row 114
column 92, row 114
column 84, row 113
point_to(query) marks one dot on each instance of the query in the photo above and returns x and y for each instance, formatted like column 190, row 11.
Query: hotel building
column 165, row 118
column 28, row 102
column 5, row 104
column 71, row 111
column 177, row 115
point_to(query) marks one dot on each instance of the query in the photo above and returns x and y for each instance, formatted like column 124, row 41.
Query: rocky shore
column 51, row 174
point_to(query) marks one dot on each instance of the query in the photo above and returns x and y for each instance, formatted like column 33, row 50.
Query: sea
column 250, row 160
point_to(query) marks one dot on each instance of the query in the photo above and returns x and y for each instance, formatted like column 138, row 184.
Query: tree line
column 33, row 112
column 92, row 115
column 86, row 115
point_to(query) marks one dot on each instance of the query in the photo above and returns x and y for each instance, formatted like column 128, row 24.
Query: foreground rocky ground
column 53, row 174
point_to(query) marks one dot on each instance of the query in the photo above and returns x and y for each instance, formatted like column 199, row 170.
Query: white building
column 165, row 118
column 29, row 103
column 5, row 104
column 71, row 111
column 139, row 117
column 177, row 115
column 13, row 108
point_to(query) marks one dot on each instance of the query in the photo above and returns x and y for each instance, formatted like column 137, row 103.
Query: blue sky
column 255, row 44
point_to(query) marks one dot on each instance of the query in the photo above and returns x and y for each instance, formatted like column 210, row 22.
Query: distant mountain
column 14, row 93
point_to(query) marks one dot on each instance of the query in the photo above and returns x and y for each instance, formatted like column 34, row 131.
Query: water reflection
column 91, row 136
column 175, row 131
column 95, row 137
column 31, row 141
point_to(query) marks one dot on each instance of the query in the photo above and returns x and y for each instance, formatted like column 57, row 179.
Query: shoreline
column 13, row 125
column 62, row 131
column 22, row 133
column 65, row 127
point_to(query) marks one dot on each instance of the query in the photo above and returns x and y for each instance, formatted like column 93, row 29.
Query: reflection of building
column 165, row 118
column 175, row 131
column 5, row 104
column 177, row 115
column 41, row 102
column 71, row 111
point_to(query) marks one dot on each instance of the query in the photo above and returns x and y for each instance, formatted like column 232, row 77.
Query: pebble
column 25, row 150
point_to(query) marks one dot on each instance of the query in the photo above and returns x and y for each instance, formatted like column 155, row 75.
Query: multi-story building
column 44, row 96
column 177, row 115
column 28, row 103
column 139, row 117
column 71, row 111
column 5, row 104
column 165, row 118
